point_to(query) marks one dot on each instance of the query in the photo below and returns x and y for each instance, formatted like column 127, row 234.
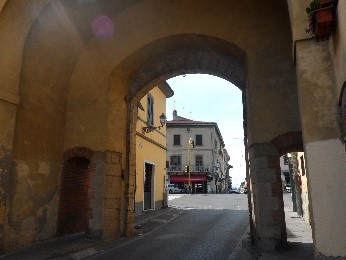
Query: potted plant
column 321, row 19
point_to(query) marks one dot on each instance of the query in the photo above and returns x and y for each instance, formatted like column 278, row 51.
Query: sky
column 208, row 98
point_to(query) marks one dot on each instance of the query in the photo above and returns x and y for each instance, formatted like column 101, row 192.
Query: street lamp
column 148, row 129
column 191, row 144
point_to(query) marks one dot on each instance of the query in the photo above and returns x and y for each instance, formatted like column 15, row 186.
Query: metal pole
column 188, row 163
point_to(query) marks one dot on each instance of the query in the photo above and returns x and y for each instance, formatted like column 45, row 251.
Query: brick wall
column 266, row 197
column 73, row 211
column 74, row 191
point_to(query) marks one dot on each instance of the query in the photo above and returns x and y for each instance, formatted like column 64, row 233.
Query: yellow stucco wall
column 150, row 147
column 338, row 44
column 320, row 76
column 302, row 172
column 299, row 24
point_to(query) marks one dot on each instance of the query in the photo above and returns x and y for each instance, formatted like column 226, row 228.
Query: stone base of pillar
column 106, row 196
column 266, row 197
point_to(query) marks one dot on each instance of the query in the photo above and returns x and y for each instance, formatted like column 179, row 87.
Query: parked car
column 288, row 188
column 173, row 188
column 234, row 191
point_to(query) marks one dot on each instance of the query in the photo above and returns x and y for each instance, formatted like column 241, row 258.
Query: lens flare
column 102, row 27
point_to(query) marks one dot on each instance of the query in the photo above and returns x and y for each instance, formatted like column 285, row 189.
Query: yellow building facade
column 151, row 150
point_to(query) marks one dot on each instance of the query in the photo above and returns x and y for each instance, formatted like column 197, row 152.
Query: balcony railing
column 175, row 168
column 193, row 168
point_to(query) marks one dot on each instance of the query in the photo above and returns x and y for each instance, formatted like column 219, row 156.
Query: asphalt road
column 207, row 227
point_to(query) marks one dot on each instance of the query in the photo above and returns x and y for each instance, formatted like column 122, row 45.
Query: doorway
column 73, row 209
column 148, row 187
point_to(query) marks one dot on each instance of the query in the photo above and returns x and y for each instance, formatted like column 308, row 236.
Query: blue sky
column 208, row 98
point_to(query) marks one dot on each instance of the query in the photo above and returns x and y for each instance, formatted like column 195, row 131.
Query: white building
column 209, row 168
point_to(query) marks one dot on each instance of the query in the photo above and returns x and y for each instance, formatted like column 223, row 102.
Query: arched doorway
column 73, row 208
column 191, row 53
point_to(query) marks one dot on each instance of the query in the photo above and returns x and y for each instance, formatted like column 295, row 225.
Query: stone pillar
column 130, row 176
column 266, row 196
column 105, row 192
column 8, row 110
column 296, row 188
column 324, row 151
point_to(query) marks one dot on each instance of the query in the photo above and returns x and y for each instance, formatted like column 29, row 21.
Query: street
column 207, row 227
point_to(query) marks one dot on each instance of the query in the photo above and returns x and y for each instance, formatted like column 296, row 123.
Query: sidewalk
column 78, row 246
column 299, row 237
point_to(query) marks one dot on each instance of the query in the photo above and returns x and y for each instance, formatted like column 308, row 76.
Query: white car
column 173, row 188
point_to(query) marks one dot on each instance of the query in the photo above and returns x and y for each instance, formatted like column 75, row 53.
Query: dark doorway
column 73, row 208
column 148, row 186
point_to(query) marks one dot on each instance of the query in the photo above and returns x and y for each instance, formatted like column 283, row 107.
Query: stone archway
column 268, row 218
column 74, row 203
column 80, row 96
column 289, row 142
column 206, row 55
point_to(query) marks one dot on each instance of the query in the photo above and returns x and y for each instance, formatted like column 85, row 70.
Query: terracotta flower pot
column 326, row 3
column 322, row 23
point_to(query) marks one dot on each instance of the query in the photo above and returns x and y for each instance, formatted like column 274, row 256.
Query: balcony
column 193, row 168
column 175, row 168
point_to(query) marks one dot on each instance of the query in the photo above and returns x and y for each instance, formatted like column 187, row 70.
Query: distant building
column 285, row 171
column 209, row 168
column 151, row 150
column 301, row 185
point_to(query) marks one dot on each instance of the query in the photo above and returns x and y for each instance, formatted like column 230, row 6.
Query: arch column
column 106, row 196
column 266, row 197
column 324, row 151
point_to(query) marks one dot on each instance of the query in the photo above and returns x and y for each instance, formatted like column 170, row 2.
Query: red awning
column 184, row 178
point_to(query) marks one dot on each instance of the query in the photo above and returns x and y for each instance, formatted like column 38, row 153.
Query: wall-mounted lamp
column 149, row 129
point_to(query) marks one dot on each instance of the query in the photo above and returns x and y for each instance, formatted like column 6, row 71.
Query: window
column 150, row 110
column 302, row 164
column 199, row 140
column 176, row 139
column 199, row 160
column 175, row 162
column 215, row 143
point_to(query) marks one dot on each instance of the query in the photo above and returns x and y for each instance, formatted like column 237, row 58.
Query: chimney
column 175, row 114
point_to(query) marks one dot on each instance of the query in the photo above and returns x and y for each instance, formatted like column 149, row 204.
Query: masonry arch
column 289, row 142
column 172, row 56
column 228, row 62
column 188, row 54
column 84, row 89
